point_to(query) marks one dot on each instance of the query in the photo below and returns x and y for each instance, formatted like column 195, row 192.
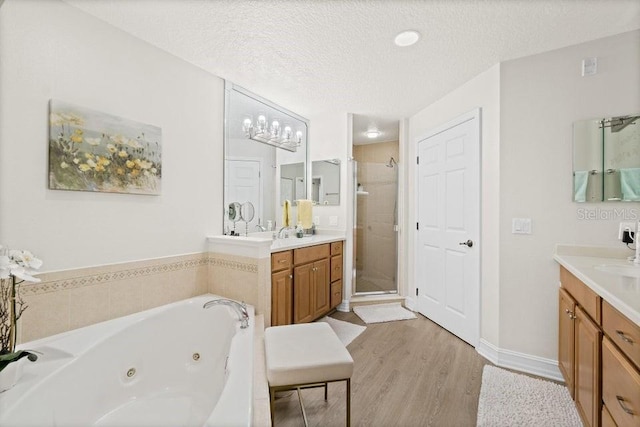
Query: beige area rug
column 346, row 331
column 509, row 399
column 378, row 313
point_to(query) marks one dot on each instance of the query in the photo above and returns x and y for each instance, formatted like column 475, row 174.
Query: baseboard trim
column 343, row 306
column 523, row 362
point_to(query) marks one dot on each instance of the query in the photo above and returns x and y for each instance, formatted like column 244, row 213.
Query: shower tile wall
column 376, row 240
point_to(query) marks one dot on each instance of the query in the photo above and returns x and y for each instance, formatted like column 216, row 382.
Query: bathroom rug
column 346, row 331
column 510, row 399
column 378, row 313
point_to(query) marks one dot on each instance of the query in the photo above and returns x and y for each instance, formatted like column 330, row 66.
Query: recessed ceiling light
column 407, row 38
column 373, row 134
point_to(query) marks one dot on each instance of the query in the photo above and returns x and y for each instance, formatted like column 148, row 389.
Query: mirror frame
column 229, row 88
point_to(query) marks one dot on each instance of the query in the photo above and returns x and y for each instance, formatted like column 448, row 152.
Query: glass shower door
column 376, row 260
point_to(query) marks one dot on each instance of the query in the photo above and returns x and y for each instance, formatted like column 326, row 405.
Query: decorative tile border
column 77, row 282
column 94, row 279
column 234, row 265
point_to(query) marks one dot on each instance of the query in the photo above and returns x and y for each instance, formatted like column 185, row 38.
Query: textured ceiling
column 318, row 56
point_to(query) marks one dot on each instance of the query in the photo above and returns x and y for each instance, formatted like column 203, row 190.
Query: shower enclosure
column 376, row 219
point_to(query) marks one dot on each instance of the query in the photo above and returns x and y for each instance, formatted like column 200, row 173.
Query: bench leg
column 348, row 402
column 304, row 413
column 272, row 404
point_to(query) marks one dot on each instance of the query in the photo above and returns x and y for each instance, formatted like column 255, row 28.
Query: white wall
column 52, row 50
column 328, row 140
column 482, row 91
column 541, row 96
column 528, row 107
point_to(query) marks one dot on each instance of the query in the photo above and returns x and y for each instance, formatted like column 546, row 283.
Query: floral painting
column 94, row 151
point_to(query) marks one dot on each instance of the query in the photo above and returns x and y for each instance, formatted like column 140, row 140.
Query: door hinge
column 416, row 291
column 417, row 160
column 417, row 226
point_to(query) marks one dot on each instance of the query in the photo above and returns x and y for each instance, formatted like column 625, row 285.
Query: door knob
column 468, row 243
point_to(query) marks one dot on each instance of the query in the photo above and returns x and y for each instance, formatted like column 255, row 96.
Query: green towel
column 630, row 184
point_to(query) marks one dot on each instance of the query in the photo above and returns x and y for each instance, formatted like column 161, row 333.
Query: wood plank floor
column 406, row 373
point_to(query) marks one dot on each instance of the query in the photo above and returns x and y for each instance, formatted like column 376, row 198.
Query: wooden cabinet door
column 303, row 308
column 587, row 368
column 321, row 288
column 281, row 298
column 620, row 386
column 566, row 337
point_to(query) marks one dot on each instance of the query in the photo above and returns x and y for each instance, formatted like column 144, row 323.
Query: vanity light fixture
column 373, row 133
column 274, row 135
column 407, row 38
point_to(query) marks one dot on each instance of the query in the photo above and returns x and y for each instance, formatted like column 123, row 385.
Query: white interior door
column 447, row 268
column 246, row 185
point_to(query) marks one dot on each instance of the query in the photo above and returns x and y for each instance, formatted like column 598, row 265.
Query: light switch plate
column 521, row 225
column 589, row 67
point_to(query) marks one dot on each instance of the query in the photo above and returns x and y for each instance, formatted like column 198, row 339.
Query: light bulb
column 287, row 133
column 247, row 125
column 373, row 134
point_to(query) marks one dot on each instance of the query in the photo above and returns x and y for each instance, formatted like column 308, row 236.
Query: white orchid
column 18, row 263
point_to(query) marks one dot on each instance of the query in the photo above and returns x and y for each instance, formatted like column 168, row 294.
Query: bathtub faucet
column 241, row 309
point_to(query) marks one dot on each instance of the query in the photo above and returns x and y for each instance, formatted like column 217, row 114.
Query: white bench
column 306, row 355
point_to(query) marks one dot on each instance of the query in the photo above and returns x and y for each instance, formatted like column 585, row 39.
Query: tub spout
column 240, row 308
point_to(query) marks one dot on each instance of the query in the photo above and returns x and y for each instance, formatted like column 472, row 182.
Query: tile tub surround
column 622, row 293
column 71, row 299
column 243, row 279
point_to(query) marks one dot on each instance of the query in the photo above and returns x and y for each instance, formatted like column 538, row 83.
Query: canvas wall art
column 94, row 151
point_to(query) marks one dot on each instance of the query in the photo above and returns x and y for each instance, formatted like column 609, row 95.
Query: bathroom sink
column 291, row 242
column 620, row 269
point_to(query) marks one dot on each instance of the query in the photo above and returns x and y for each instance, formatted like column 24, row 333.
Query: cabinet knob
column 291, row 276
column 282, row 261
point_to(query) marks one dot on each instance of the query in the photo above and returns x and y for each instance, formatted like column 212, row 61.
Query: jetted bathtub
column 175, row 365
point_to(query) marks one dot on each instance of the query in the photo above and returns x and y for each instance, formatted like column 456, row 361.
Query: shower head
column 391, row 162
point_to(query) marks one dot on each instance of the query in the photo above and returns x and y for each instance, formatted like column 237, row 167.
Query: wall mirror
column 606, row 159
column 325, row 182
column 261, row 143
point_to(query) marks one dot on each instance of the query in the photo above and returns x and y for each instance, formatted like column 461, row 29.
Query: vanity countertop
column 621, row 292
column 262, row 244
column 280, row 245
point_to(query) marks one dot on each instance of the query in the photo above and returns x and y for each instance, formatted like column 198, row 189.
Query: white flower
column 93, row 141
column 19, row 263
column 133, row 143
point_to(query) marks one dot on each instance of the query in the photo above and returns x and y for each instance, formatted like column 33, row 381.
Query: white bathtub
column 175, row 365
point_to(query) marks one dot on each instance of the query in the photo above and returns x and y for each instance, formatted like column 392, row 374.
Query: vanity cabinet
column 281, row 288
column 566, row 338
column 336, row 274
column 305, row 283
column 587, row 368
column 598, row 356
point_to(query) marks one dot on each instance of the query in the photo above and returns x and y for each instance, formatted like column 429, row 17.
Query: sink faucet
column 286, row 232
column 260, row 227
column 241, row 309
